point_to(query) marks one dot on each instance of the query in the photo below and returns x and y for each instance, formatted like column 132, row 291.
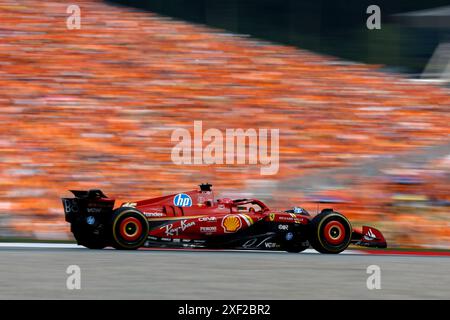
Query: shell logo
column 231, row 223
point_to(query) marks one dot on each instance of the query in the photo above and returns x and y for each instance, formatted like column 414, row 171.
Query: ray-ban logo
column 236, row 146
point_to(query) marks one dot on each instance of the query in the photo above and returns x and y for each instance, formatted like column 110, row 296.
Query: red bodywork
column 207, row 216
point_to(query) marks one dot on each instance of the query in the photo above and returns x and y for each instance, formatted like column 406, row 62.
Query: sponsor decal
column 296, row 219
column 283, row 227
column 171, row 231
column 153, row 214
column 285, row 218
column 250, row 243
column 207, row 219
column 289, row 236
column 70, row 206
column 231, row 223
column 182, row 200
column 100, row 205
column 369, row 236
column 272, row 216
column 90, row 220
column 208, row 229
column 93, row 210
column 255, row 242
column 270, row 245
column 129, row 204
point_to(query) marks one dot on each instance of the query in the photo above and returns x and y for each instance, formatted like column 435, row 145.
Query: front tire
column 330, row 232
column 129, row 229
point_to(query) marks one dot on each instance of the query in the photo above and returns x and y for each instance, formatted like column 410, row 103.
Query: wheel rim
column 130, row 229
column 334, row 232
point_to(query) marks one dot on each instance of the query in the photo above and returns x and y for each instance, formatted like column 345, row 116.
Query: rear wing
column 90, row 194
column 87, row 203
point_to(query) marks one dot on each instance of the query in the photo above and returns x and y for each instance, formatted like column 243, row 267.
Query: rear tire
column 330, row 232
column 129, row 229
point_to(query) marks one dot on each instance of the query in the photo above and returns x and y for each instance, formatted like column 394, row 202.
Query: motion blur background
column 363, row 114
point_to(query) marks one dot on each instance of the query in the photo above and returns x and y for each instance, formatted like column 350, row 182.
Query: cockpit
column 244, row 205
column 298, row 210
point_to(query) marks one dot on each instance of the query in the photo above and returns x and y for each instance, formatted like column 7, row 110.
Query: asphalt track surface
column 40, row 273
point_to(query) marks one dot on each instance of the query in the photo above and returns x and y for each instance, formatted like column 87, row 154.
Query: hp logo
column 182, row 200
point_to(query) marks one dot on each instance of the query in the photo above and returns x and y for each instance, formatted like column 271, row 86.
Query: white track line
column 75, row 246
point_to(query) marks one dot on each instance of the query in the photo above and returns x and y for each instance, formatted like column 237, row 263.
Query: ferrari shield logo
column 272, row 216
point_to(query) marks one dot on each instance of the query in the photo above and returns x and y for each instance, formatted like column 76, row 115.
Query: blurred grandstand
column 96, row 107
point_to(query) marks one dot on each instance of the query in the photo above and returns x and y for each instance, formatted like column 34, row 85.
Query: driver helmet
column 298, row 210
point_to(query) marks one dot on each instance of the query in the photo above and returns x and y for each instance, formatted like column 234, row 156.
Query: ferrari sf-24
column 195, row 219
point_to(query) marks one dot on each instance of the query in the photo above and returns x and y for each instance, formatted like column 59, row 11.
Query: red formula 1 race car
column 194, row 219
